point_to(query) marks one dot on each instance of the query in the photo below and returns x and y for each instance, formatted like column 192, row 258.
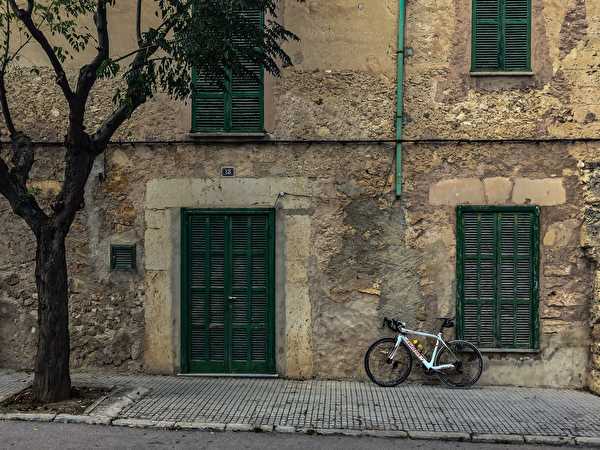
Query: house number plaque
column 228, row 171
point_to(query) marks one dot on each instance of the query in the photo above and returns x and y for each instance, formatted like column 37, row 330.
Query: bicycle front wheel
column 467, row 364
column 383, row 370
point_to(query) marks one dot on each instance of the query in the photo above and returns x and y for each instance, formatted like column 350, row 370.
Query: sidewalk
column 484, row 414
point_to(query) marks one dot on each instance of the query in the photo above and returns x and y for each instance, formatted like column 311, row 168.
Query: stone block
column 457, row 191
column 561, row 234
column 497, row 438
column 119, row 158
column 594, row 381
column 551, row 270
column 596, row 332
column 145, row 423
column 156, row 255
column 440, row 435
column 585, row 441
column 239, row 427
column 158, row 337
column 385, row 433
column 88, row 420
column 28, row 417
column 554, row 326
column 549, row 440
column 169, row 193
column 155, row 218
column 497, row 190
column 541, row 192
column 562, row 298
column 200, row 426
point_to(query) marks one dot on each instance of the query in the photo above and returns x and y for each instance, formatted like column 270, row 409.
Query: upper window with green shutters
column 501, row 36
column 236, row 103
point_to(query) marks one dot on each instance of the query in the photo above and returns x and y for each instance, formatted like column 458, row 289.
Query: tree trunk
column 52, row 381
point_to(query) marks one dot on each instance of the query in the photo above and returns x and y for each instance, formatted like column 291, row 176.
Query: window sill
column 501, row 74
column 228, row 136
column 509, row 350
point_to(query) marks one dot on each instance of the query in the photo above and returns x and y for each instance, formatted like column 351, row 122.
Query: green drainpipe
column 400, row 94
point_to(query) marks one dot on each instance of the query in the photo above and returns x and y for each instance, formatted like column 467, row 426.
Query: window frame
column 501, row 68
column 535, row 267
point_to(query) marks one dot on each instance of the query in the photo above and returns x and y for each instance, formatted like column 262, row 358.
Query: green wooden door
column 228, row 291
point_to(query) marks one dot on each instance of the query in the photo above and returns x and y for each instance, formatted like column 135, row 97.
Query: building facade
column 270, row 227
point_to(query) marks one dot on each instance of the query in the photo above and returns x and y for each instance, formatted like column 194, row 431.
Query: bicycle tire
column 375, row 360
column 468, row 355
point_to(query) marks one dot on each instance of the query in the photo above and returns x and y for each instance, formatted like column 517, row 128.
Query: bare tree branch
column 21, row 202
column 10, row 125
column 25, row 17
column 78, row 166
column 8, row 121
column 136, row 95
column 89, row 73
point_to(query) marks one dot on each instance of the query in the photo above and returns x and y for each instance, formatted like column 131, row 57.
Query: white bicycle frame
column 429, row 365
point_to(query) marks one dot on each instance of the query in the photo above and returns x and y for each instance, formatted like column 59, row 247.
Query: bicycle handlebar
column 397, row 325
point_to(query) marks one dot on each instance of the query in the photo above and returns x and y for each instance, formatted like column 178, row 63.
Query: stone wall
column 342, row 84
column 589, row 166
column 439, row 178
column 363, row 254
column 106, row 309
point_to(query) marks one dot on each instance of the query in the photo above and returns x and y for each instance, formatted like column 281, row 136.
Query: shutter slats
column 497, row 295
column 237, row 104
column 516, row 47
column 486, row 34
column 229, row 291
column 501, row 35
column 122, row 257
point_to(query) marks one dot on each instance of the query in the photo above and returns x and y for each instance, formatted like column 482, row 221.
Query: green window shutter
column 515, row 288
column 208, row 104
column 517, row 26
column 247, row 88
column 497, row 276
column 235, row 105
column 501, row 35
column 486, row 34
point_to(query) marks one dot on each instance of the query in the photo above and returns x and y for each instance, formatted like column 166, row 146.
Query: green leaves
column 213, row 35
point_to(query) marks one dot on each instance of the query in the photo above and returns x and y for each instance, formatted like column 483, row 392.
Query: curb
column 581, row 441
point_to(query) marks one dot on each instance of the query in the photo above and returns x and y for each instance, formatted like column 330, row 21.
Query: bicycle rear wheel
column 381, row 369
column 467, row 361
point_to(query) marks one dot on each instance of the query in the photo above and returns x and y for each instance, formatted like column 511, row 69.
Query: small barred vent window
column 122, row 257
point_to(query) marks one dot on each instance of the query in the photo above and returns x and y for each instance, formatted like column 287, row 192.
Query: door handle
column 232, row 298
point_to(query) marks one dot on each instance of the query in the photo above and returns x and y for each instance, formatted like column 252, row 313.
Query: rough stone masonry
column 356, row 252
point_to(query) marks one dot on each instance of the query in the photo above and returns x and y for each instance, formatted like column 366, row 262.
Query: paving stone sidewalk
column 343, row 405
column 12, row 383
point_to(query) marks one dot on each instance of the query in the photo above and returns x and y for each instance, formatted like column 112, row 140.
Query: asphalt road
column 28, row 435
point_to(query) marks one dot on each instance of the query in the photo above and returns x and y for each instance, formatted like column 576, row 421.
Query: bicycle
column 457, row 363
